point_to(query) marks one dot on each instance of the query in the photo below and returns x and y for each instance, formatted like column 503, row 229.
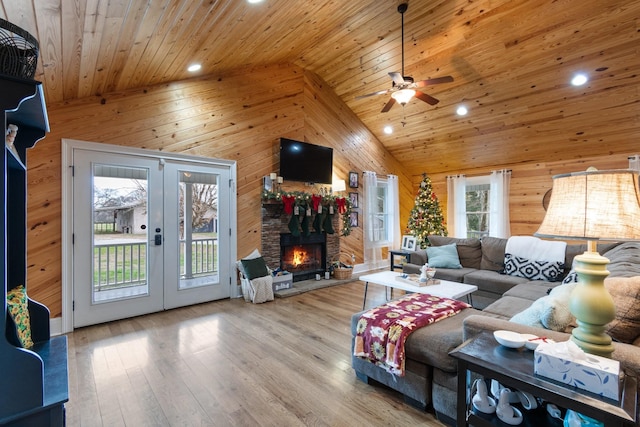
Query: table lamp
column 593, row 205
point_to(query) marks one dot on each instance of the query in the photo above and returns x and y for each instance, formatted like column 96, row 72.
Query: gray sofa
column 430, row 379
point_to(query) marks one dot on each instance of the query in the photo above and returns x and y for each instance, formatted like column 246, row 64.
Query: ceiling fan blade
column 397, row 78
column 437, row 80
column 380, row 92
column 426, row 98
column 388, row 105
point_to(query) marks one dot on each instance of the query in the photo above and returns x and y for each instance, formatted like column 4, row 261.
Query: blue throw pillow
column 445, row 256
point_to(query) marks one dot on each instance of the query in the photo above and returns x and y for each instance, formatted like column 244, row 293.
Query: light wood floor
column 231, row 363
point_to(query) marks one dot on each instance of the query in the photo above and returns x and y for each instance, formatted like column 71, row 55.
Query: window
column 479, row 206
column 379, row 215
column 477, row 199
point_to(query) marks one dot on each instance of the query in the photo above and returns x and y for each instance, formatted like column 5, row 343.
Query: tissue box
column 595, row 374
column 284, row 281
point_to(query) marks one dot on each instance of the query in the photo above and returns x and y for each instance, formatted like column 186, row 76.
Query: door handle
column 158, row 239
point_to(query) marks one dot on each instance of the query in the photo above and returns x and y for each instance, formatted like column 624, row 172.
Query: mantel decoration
column 321, row 207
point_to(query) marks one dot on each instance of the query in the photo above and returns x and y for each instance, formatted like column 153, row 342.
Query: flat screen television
column 305, row 162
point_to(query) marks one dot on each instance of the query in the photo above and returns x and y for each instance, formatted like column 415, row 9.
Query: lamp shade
column 403, row 95
column 593, row 205
column 339, row 185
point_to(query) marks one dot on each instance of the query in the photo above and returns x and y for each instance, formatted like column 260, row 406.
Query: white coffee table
column 444, row 289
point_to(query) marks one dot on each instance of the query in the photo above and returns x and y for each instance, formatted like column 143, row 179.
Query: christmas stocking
column 294, row 225
column 288, row 204
column 305, row 224
column 317, row 222
column 327, row 224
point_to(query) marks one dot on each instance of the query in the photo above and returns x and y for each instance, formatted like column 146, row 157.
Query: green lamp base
column 592, row 305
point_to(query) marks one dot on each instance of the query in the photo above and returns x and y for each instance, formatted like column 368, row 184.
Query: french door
column 149, row 234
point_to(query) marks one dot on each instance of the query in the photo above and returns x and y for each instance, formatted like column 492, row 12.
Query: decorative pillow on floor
column 17, row 305
column 255, row 267
column 533, row 270
column 445, row 256
column 253, row 255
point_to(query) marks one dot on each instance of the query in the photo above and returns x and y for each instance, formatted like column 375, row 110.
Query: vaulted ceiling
column 511, row 62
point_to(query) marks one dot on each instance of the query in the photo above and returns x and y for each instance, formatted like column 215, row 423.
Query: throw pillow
column 17, row 306
column 549, row 312
column 533, row 270
column 625, row 292
column 253, row 255
column 443, row 256
column 572, row 277
column 469, row 250
column 493, row 249
column 255, row 267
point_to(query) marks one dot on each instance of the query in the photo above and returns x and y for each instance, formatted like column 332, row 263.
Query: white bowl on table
column 509, row 339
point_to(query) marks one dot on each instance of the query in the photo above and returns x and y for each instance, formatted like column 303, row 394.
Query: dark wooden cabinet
column 34, row 382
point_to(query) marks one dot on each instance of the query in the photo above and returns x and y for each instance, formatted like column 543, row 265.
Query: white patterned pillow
column 533, row 270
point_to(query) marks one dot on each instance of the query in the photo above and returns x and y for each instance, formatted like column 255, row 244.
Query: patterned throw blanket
column 383, row 330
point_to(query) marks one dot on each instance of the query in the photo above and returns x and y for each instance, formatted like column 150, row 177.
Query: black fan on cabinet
column 403, row 88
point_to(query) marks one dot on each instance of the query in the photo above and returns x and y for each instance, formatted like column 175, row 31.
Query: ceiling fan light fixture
column 403, row 96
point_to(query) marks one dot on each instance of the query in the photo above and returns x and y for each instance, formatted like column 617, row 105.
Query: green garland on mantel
column 303, row 200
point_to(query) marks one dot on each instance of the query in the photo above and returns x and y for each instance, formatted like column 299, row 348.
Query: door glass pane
column 120, row 221
column 198, row 229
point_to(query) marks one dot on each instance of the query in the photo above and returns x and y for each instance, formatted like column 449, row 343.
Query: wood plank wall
column 237, row 116
column 529, row 183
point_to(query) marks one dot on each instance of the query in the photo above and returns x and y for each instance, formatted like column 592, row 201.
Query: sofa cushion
column 469, row 250
column 624, row 260
column 533, row 270
column 432, row 344
column 453, row 274
column 625, row 292
column 507, row 307
column 492, row 281
column 493, row 253
column 443, row 256
column 531, row 290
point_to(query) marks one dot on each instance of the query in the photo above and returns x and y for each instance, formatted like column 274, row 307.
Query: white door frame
column 68, row 145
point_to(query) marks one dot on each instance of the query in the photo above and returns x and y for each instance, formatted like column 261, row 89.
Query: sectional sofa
column 430, row 379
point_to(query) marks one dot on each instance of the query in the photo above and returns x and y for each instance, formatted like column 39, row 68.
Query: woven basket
column 18, row 51
column 341, row 272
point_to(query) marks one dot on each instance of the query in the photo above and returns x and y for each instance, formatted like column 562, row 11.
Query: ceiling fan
column 403, row 88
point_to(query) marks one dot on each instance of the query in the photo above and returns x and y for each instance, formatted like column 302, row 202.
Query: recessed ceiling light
column 254, row 1
column 388, row 129
column 194, row 67
column 579, row 79
column 462, row 110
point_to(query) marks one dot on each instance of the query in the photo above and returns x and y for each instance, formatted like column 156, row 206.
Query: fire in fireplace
column 303, row 256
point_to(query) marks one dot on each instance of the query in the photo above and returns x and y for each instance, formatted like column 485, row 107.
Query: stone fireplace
column 319, row 248
column 304, row 256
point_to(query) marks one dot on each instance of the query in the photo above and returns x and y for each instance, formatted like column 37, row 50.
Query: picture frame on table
column 408, row 243
column 353, row 197
column 353, row 179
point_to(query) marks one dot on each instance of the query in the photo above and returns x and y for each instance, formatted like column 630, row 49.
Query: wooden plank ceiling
column 511, row 61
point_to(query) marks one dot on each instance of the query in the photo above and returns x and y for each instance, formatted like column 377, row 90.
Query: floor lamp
column 592, row 206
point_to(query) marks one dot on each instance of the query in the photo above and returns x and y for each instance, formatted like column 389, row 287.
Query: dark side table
column 514, row 369
column 398, row 252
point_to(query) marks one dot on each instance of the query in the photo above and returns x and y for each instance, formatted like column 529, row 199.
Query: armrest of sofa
column 418, row 257
column 627, row 354
column 473, row 325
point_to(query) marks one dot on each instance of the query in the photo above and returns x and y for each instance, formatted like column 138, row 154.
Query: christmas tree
column 426, row 216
